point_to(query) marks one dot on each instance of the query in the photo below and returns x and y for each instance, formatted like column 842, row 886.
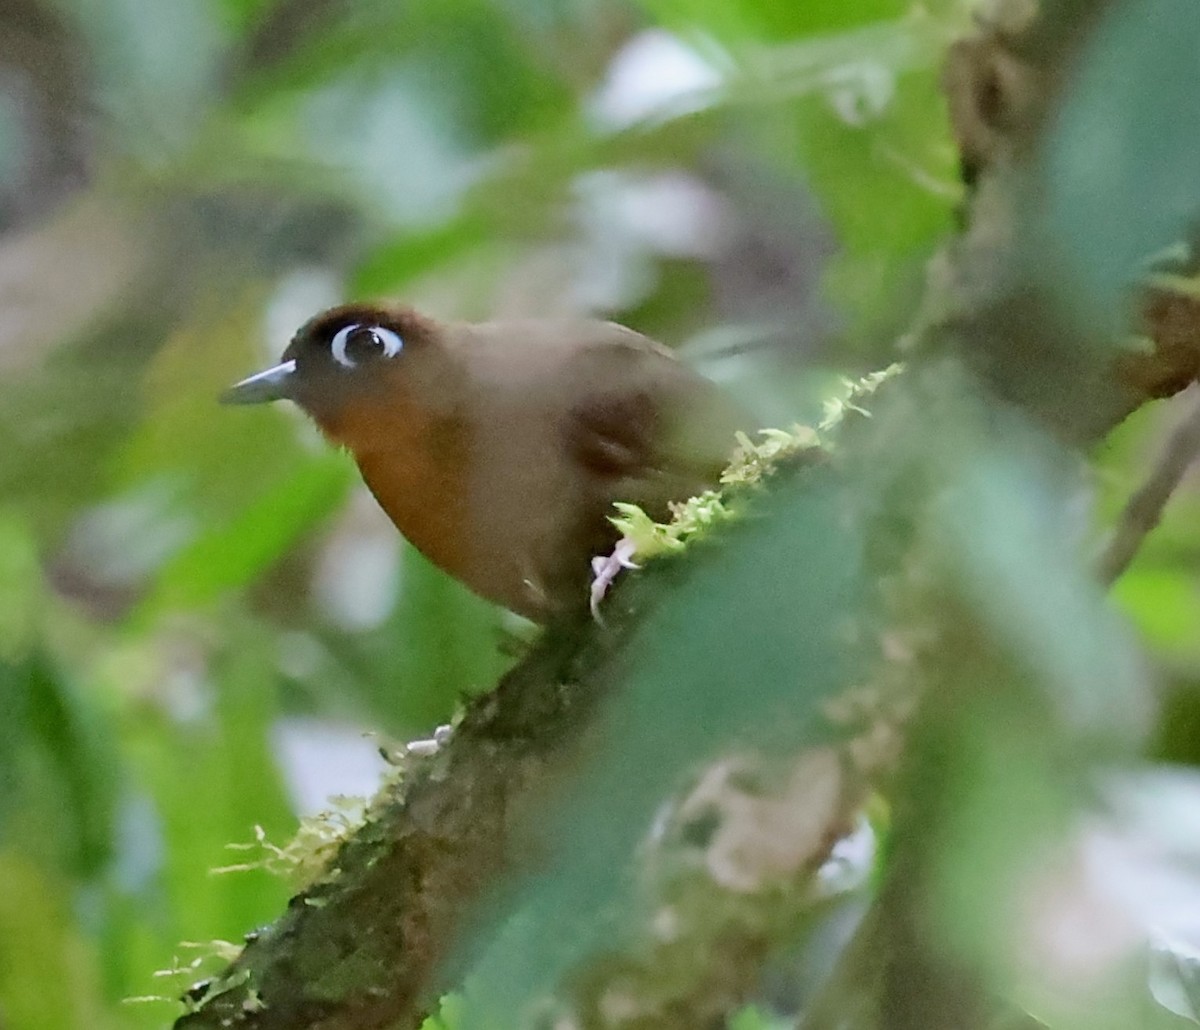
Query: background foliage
column 200, row 611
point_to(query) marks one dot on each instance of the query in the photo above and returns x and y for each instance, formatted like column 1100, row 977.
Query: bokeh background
column 206, row 626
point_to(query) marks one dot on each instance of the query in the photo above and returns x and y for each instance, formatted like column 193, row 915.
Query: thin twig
column 1144, row 509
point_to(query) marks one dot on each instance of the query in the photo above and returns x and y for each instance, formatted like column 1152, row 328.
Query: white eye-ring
column 386, row 341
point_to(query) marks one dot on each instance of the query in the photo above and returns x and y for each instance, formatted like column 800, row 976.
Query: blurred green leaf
column 401, row 258
column 753, row 1018
column 749, row 647
column 1007, row 528
column 56, row 769
column 1164, row 604
column 212, row 779
column 440, row 645
column 22, row 593
column 237, row 480
column 48, row 975
column 1175, row 980
column 876, row 147
column 1039, row 685
column 470, row 63
column 448, row 1015
column 1117, row 178
column 770, row 19
column 233, row 554
column 155, row 67
column 242, row 13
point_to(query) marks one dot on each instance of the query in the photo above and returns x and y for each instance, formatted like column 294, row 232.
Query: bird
column 498, row 448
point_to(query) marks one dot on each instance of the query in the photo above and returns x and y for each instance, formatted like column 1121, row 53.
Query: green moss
column 308, row 856
column 752, row 463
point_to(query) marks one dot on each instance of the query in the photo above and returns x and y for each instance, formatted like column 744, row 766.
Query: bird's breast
column 493, row 500
column 418, row 467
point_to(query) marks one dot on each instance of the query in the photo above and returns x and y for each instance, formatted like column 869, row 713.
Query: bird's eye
column 354, row 344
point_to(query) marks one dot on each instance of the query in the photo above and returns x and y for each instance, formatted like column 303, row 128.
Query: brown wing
column 649, row 429
column 613, row 435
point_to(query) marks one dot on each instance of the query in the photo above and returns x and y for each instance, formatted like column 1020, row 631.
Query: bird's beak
column 274, row 384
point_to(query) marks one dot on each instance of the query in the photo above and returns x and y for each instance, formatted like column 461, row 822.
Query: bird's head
column 354, row 356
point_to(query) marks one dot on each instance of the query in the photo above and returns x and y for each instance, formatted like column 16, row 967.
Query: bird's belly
column 508, row 553
column 537, row 526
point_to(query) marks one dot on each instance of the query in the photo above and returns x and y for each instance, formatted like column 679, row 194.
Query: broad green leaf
column 1117, row 178
column 748, row 648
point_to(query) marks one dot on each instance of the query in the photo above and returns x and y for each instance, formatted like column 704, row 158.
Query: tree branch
column 1145, row 508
